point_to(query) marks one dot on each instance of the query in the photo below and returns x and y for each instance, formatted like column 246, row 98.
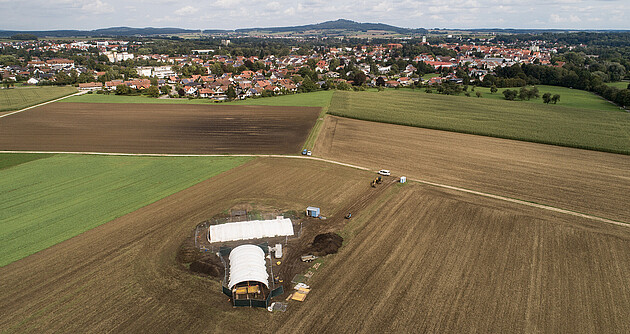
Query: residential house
column 90, row 86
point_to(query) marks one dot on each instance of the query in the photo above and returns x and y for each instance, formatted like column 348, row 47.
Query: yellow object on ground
column 299, row 296
column 253, row 289
column 241, row 290
column 278, row 263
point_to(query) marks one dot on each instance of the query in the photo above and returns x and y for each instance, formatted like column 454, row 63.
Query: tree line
column 579, row 72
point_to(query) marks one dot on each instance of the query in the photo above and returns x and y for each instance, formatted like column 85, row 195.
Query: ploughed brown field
column 590, row 182
column 158, row 128
column 416, row 259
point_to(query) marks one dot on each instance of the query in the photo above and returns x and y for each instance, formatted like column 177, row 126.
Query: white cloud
column 228, row 4
column 555, row 18
column 97, row 7
column 274, row 5
column 186, row 10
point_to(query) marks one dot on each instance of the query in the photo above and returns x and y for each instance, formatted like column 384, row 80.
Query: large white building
column 114, row 56
column 158, row 71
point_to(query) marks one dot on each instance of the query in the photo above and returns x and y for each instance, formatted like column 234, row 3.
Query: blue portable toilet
column 312, row 211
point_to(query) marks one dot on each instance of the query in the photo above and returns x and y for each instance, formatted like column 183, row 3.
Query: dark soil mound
column 208, row 264
column 187, row 252
column 326, row 243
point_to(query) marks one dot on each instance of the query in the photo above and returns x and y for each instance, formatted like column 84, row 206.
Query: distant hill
column 333, row 27
column 340, row 24
column 105, row 32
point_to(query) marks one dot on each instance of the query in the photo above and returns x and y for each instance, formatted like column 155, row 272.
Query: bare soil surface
column 158, row 128
column 426, row 260
column 415, row 259
column 585, row 181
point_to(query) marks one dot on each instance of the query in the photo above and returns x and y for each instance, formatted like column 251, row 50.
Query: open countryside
column 472, row 253
column 333, row 177
column 534, row 172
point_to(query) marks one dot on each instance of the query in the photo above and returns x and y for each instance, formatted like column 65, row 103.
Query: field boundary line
column 317, row 127
column 435, row 184
column 43, row 103
column 518, row 201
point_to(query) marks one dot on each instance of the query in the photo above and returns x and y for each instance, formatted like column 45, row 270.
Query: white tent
column 253, row 229
column 247, row 263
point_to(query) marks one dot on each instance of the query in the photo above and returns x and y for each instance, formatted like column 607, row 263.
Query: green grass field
column 573, row 98
column 112, row 98
column 316, row 99
column 619, row 84
column 8, row 160
column 46, row 201
column 22, row 97
column 430, row 75
column 604, row 130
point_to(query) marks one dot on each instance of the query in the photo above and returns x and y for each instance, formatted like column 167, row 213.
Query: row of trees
column 152, row 91
column 526, row 94
column 576, row 73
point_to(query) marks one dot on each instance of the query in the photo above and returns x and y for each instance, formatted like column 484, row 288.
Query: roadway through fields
column 426, row 182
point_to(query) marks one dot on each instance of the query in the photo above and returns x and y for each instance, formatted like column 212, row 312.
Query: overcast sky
column 231, row 14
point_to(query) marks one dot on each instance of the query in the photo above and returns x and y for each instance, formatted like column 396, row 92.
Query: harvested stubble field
column 432, row 261
column 585, row 181
column 158, row 128
column 420, row 259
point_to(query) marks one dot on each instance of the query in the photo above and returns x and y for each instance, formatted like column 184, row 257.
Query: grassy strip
column 112, row 98
column 47, row 201
column 312, row 136
column 20, row 98
column 316, row 99
column 619, row 84
column 602, row 130
column 8, row 160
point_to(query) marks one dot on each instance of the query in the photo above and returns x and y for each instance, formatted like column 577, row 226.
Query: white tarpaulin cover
column 247, row 263
column 253, row 229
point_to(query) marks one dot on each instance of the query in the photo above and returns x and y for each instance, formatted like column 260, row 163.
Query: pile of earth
column 326, row 243
column 208, row 264
column 187, row 252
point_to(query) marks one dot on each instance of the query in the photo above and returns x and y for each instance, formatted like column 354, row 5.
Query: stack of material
column 302, row 291
column 300, row 295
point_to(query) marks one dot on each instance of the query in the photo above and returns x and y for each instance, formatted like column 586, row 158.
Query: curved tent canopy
column 247, row 263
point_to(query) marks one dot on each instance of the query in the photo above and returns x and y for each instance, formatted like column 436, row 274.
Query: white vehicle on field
column 384, row 172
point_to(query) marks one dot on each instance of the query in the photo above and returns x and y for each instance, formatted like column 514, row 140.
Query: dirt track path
column 436, row 184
